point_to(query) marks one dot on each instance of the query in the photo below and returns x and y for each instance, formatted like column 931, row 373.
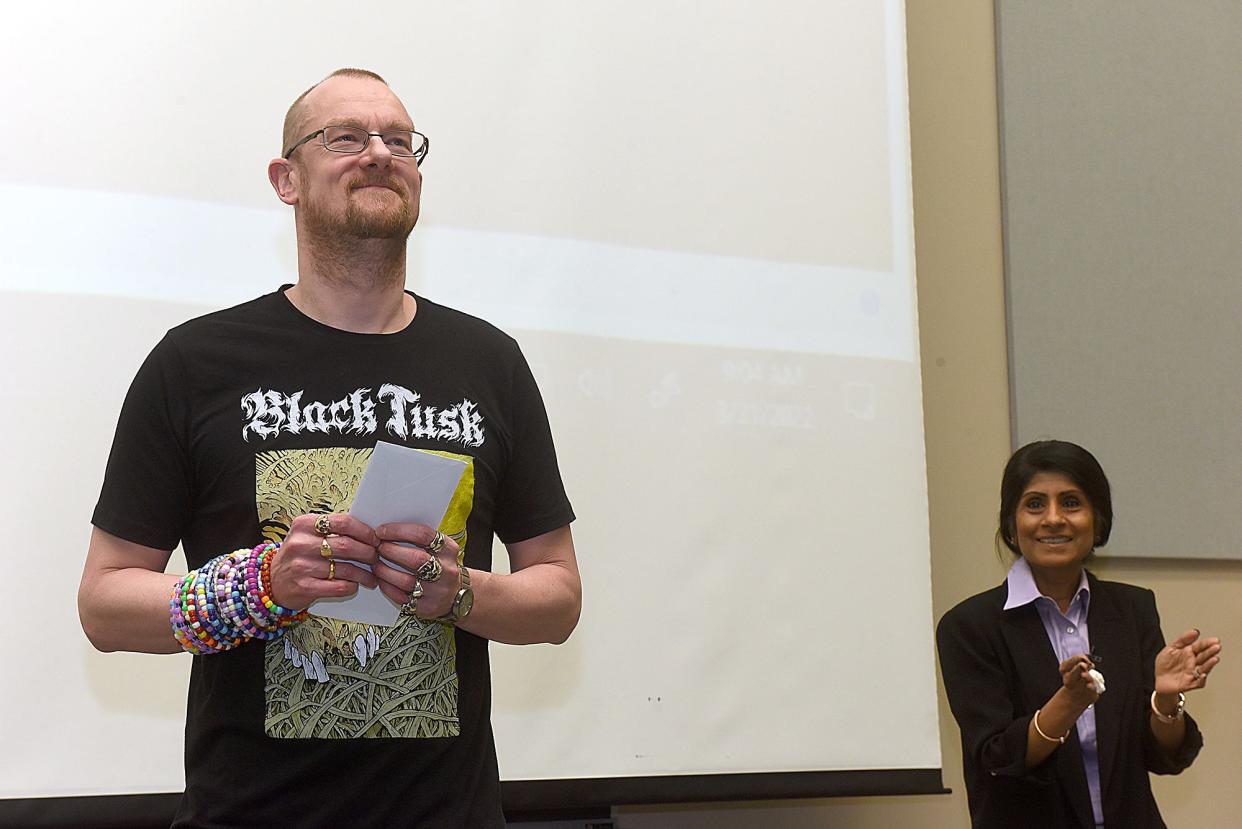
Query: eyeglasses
column 401, row 143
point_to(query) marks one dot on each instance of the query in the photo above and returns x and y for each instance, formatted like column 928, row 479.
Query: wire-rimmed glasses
column 401, row 143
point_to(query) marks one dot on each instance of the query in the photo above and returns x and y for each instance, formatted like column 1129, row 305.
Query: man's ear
column 283, row 176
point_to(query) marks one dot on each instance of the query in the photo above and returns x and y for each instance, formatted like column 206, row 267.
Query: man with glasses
column 243, row 438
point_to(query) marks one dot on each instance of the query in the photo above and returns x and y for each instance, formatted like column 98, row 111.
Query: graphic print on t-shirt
column 339, row 680
column 404, row 413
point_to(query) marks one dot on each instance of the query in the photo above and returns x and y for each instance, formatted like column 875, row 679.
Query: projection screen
column 696, row 219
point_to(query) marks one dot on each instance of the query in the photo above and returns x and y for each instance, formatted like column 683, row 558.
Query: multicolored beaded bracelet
column 267, row 554
column 208, row 611
column 270, row 617
column 228, row 593
column 191, row 621
column 228, row 601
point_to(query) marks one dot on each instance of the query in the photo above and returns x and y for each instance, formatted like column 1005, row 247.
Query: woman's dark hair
column 1071, row 460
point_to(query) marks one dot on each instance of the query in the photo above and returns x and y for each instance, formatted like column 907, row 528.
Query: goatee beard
column 361, row 223
column 391, row 223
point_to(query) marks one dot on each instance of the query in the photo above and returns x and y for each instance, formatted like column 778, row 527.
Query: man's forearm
column 127, row 610
column 540, row 603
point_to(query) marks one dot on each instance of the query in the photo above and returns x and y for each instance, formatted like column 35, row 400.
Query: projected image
column 698, row 229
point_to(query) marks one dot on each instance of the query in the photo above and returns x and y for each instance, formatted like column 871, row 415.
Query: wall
column 952, row 62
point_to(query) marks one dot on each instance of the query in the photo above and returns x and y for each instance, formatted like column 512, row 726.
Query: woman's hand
column 1075, row 677
column 1184, row 664
column 1055, row 720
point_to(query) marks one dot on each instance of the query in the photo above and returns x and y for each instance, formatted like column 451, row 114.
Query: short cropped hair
column 294, row 116
column 1069, row 459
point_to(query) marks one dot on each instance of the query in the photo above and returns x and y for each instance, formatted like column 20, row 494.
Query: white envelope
column 401, row 485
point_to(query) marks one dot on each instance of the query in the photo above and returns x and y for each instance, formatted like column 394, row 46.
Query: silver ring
column 411, row 604
column 430, row 569
column 1198, row 673
column 437, row 543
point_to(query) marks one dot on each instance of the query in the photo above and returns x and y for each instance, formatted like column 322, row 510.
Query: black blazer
column 999, row 667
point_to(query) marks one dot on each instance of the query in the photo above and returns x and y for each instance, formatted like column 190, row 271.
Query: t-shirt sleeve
column 146, row 491
column 531, row 499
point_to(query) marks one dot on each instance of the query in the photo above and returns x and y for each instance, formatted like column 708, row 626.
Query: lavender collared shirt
column 1068, row 634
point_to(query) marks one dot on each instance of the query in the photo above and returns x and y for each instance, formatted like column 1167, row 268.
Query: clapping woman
column 1063, row 686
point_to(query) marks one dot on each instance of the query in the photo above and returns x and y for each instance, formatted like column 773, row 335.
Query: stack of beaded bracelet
column 227, row 601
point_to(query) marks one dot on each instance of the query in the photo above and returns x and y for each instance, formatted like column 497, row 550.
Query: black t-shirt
column 243, row 419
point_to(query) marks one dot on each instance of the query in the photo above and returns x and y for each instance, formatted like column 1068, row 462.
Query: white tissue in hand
column 1097, row 679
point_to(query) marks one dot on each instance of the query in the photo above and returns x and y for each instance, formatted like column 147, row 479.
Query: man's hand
column 437, row 595
column 300, row 574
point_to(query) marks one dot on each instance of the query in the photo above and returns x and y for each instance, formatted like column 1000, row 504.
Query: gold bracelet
column 1170, row 718
column 1040, row 731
